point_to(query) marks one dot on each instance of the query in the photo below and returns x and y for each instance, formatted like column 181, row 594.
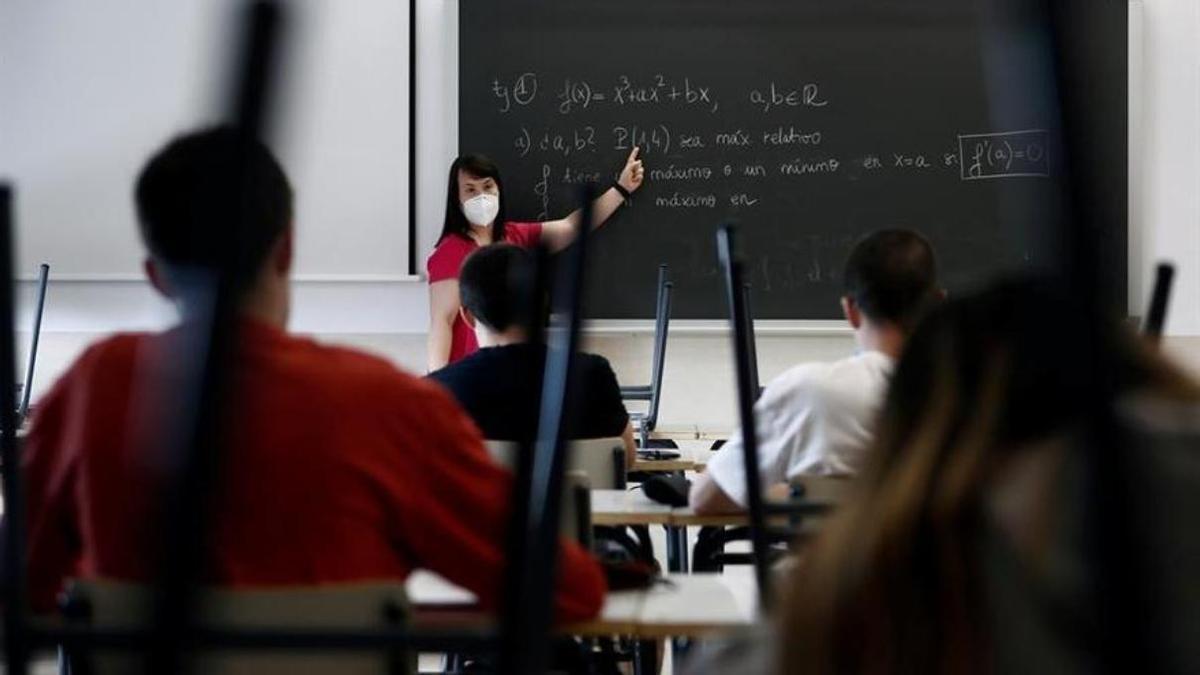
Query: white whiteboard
column 92, row 88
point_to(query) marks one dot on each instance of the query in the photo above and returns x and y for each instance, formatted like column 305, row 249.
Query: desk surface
column 627, row 507
column 633, row 507
column 681, row 605
column 691, row 432
column 690, row 459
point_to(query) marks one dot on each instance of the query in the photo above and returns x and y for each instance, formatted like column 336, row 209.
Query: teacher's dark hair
column 183, row 191
column 476, row 166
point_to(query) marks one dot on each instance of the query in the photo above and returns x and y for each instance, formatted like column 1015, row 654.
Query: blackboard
column 809, row 122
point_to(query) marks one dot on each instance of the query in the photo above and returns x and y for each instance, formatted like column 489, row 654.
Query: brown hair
column 892, row 586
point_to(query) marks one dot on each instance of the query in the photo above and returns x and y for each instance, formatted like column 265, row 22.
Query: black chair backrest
column 752, row 342
column 27, row 389
column 16, row 650
column 1160, row 300
column 662, row 322
column 747, row 393
column 534, row 531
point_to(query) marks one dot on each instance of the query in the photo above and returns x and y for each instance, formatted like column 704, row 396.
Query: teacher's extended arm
column 558, row 234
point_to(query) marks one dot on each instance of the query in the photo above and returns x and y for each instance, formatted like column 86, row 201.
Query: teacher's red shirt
column 447, row 259
column 340, row 468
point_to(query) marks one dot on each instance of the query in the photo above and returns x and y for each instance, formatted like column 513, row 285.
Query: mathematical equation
column 1010, row 154
column 752, row 165
column 579, row 94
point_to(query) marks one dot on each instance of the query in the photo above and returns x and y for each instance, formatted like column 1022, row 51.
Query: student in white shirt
column 818, row 418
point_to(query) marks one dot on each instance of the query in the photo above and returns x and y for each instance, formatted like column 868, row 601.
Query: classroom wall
column 698, row 374
column 95, row 87
column 1165, row 154
column 390, row 317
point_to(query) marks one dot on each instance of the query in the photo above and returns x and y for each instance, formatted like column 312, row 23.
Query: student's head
column 890, row 280
column 494, row 286
column 474, row 196
column 987, row 384
column 185, row 196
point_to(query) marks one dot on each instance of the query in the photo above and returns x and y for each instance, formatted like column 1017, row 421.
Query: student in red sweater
column 340, row 467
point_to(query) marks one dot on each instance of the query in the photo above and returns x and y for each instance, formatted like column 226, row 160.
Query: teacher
column 475, row 217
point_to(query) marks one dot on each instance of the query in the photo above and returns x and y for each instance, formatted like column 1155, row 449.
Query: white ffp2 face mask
column 481, row 210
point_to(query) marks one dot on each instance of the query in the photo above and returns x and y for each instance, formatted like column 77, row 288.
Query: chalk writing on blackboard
column 522, row 91
column 1009, row 154
column 566, row 148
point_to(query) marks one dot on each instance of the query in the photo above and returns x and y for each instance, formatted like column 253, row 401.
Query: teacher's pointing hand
column 633, row 173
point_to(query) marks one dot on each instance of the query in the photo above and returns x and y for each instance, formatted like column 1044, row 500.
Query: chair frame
column 747, row 393
column 77, row 605
column 652, row 393
column 35, row 335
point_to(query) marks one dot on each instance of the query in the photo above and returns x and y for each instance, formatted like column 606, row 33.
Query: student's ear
column 282, row 252
column 851, row 311
column 157, row 278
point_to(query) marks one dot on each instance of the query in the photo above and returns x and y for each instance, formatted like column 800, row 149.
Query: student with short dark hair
column 498, row 385
column 339, row 468
column 818, row 418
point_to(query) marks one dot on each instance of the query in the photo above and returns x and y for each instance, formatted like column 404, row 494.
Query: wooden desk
column 627, row 507
column 633, row 507
column 684, row 605
column 691, row 605
column 675, row 432
column 711, row 434
column 690, row 459
column 691, row 432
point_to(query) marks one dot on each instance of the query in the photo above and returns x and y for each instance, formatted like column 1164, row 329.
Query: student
column 966, row 547
column 962, row 546
column 339, row 468
column 476, row 216
column 817, row 418
column 498, row 385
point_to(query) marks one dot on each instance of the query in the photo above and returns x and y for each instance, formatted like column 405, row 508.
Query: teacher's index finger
column 633, row 154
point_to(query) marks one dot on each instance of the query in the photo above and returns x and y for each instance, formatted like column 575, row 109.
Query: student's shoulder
column 455, row 375
column 102, row 364
column 815, row 377
column 365, row 378
column 594, row 362
column 800, row 378
column 117, row 351
column 831, row 381
column 597, row 368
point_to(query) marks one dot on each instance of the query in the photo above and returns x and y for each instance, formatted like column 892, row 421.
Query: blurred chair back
column 336, row 607
column 751, row 342
column 602, row 460
column 741, row 323
column 645, row 422
column 595, row 464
